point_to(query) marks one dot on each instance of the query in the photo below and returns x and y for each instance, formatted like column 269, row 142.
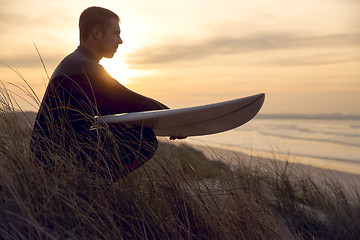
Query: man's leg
column 139, row 145
column 126, row 149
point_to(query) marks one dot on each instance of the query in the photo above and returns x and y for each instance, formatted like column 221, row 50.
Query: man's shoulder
column 76, row 63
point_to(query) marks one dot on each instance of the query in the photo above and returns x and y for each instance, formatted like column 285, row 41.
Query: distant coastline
column 332, row 116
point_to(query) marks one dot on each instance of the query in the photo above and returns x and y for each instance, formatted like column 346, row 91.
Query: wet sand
column 347, row 173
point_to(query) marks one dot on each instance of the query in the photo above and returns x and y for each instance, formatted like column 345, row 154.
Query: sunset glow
column 119, row 70
column 305, row 55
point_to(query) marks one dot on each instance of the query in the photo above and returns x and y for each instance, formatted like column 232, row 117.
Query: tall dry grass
column 179, row 194
column 168, row 198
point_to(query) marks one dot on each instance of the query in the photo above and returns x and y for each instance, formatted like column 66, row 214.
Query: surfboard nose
column 260, row 101
column 262, row 97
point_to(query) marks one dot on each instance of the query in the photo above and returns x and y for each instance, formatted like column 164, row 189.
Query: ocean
column 327, row 143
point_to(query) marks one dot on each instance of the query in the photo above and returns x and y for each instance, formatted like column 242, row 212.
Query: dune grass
column 166, row 199
column 179, row 194
column 312, row 205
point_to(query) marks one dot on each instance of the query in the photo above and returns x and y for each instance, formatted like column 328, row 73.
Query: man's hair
column 95, row 17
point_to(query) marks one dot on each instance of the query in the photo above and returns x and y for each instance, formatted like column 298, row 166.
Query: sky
column 303, row 54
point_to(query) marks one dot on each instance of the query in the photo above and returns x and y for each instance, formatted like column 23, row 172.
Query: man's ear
column 96, row 33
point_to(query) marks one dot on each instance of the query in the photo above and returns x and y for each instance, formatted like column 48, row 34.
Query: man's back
column 68, row 102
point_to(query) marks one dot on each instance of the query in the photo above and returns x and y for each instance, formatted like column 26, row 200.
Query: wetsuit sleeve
column 111, row 97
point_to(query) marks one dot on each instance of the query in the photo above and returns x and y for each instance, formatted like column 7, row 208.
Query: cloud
column 316, row 59
column 29, row 61
column 234, row 45
column 10, row 18
column 22, row 16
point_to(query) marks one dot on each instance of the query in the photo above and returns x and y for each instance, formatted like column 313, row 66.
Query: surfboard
column 193, row 121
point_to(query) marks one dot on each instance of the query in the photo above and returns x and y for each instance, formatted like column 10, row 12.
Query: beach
column 319, row 147
column 325, row 143
column 313, row 168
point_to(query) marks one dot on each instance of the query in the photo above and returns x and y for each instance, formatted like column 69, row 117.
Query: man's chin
column 109, row 55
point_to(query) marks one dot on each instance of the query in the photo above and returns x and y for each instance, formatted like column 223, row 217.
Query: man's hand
column 177, row 137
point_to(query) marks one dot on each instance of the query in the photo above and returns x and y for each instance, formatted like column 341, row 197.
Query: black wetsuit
column 80, row 89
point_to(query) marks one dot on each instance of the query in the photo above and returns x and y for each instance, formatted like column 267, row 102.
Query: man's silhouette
column 80, row 89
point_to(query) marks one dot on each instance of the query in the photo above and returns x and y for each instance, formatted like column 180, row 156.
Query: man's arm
column 111, row 97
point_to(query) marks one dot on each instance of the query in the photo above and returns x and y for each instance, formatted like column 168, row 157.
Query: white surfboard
column 193, row 121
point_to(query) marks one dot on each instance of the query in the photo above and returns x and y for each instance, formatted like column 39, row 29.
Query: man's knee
column 135, row 147
column 149, row 143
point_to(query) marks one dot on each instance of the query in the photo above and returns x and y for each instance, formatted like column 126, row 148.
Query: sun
column 120, row 71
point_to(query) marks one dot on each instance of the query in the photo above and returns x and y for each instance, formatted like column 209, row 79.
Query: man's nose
column 120, row 41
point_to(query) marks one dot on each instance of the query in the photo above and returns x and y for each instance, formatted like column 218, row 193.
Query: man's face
column 110, row 39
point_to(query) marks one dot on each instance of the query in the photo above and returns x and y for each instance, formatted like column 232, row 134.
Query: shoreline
column 316, row 167
column 346, row 166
